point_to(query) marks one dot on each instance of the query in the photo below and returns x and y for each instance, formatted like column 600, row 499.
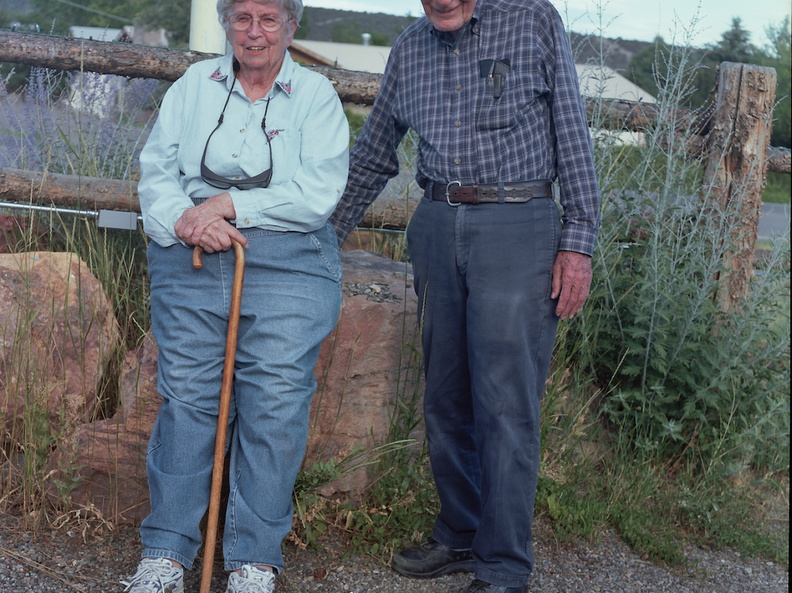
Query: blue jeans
column 483, row 275
column 290, row 303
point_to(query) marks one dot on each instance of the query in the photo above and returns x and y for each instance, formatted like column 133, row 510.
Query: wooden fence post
column 736, row 168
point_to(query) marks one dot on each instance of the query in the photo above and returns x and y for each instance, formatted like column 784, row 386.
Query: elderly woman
column 251, row 148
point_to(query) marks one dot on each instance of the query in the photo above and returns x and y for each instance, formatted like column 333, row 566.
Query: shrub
column 684, row 380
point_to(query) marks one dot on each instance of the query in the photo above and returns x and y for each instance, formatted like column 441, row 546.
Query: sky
column 685, row 22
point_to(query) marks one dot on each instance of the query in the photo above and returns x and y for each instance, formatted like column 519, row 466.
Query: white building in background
column 92, row 92
column 349, row 56
column 601, row 82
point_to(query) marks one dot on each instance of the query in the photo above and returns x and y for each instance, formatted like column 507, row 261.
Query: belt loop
column 501, row 193
column 429, row 189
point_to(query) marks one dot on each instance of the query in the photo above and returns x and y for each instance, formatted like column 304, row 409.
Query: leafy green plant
column 778, row 189
column 684, row 380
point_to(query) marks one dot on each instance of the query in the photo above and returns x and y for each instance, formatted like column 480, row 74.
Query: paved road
column 774, row 221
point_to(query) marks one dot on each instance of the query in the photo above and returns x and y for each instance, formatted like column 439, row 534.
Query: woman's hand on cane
column 206, row 225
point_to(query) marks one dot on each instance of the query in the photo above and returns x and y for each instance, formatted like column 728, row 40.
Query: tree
column 778, row 56
column 304, row 30
column 173, row 16
column 651, row 67
column 734, row 46
column 56, row 16
column 642, row 65
column 660, row 66
column 352, row 32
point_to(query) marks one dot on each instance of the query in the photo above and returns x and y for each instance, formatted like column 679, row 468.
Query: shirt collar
column 449, row 38
column 224, row 71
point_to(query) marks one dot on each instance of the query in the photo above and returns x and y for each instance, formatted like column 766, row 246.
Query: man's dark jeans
column 483, row 279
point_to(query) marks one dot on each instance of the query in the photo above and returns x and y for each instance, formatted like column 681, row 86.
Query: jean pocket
column 325, row 242
column 152, row 448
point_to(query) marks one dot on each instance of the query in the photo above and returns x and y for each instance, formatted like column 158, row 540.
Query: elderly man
column 490, row 88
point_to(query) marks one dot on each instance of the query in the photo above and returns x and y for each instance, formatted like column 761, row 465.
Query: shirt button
column 242, row 131
column 235, row 156
column 457, row 161
column 457, row 52
column 458, row 87
column 457, row 123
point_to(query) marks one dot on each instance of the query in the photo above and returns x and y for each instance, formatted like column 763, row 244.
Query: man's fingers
column 571, row 282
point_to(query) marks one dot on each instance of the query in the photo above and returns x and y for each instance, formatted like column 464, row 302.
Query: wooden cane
column 225, row 404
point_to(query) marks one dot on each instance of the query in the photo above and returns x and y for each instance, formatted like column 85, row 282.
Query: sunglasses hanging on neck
column 259, row 181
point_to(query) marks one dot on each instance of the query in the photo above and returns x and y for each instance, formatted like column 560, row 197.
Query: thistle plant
column 685, row 382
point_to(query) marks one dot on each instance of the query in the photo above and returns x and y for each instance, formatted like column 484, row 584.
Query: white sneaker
column 156, row 575
column 251, row 579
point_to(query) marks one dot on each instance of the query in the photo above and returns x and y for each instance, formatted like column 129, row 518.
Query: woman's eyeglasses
column 243, row 22
column 259, row 181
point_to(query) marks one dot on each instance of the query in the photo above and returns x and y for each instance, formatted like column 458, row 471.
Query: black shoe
column 479, row 586
column 432, row 559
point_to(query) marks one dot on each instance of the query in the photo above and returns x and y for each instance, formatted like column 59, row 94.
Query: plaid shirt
column 536, row 129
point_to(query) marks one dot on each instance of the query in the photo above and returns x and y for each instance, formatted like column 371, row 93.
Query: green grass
column 778, row 188
column 591, row 481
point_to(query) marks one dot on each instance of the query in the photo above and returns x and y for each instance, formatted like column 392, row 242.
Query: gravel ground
column 59, row 561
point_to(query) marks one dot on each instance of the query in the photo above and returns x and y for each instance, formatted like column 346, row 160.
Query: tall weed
column 42, row 130
column 685, row 382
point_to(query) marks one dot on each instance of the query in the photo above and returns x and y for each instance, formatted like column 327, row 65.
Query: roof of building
column 95, row 33
column 604, row 82
column 349, row 56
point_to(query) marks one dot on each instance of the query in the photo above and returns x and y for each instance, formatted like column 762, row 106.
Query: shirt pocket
column 523, row 94
column 286, row 153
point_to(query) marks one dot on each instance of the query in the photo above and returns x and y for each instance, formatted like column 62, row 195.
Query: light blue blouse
column 310, row 141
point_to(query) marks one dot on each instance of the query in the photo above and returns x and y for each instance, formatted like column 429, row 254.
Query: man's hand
column 205, row 225
column 571, row 282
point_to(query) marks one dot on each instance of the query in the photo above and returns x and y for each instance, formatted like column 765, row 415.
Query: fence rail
column 733, row 136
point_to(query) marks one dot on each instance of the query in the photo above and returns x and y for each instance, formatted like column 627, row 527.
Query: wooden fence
column 735, row 135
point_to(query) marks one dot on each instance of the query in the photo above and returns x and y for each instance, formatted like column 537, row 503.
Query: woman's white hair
column 294, row 8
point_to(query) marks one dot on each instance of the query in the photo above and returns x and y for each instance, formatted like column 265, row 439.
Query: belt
column 513, row 193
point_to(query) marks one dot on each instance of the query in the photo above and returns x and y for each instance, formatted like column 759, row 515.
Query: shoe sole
column 453, row 567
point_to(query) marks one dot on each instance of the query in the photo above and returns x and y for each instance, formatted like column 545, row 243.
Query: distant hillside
column 18, row 6
column 320, row 23
column 618, row 52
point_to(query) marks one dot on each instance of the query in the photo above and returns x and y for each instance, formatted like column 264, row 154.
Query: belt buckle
column 448, row 189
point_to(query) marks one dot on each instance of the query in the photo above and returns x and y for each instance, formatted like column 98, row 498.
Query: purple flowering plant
column 79, row 123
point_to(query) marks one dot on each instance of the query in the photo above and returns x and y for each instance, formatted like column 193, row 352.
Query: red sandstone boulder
column 365, row 364
column 363, row 367
column 57, row 337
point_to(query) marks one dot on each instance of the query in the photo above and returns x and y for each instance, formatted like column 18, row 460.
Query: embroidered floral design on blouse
column 286, row 86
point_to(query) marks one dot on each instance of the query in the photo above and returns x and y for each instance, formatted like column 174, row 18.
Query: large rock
column 107, row 458
column 57, row 337
column 363, row 367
